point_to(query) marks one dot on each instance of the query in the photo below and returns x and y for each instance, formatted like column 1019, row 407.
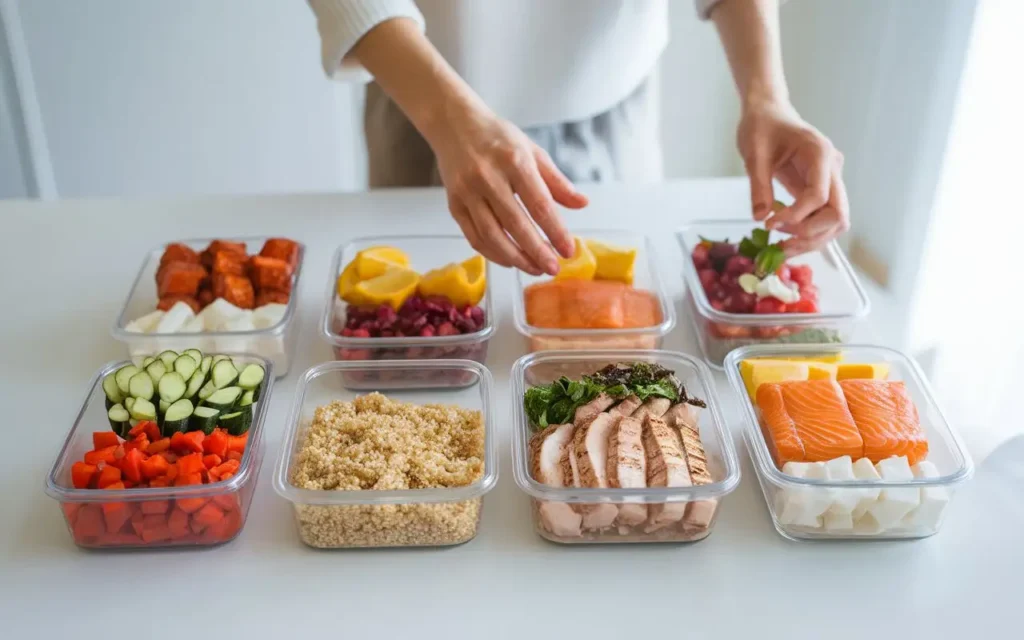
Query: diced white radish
column 863, row 469
column 843, row 500
column 175, row 318
column 268, row 315
column 838, row 521
column 804, row 506
column 895, row 503
column 241, row 322
column 933, row 499
column 192, row 325
column 217, row 313
column 146, row 323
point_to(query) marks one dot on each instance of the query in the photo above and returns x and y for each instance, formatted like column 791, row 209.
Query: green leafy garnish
column 769, row 260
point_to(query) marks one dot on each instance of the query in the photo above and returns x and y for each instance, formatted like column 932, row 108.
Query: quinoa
column 375, row 443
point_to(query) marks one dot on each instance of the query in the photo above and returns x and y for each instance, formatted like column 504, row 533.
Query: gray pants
column 619, row 144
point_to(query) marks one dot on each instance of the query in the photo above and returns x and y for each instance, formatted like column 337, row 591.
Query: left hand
column 776, row 142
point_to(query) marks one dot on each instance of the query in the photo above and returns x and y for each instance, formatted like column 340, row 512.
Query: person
column 507, row 104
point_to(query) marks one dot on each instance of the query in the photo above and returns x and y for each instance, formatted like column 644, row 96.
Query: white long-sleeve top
column 534, row 62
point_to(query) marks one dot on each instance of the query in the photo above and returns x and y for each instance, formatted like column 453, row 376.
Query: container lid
column 292, row 443
column 93, row 417
column 841, row 295
column 426, row 252
column 646, row 276
column 945, row 449
column 544, row 366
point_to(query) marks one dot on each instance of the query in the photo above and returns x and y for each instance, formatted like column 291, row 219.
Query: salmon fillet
column 626, row 407
column 816, row 411
column 627, row 466
column 666, row 467
column 778, row 427
column 591, row 447
column 589, row 304
column 887, row 419
column 654, row 407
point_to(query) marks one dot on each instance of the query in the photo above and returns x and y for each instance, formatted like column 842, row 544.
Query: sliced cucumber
column 143, row 409
column 119, row 417
column 162, row 407
column 168, row 357
column 248, row 398
column 186, row 365
column 110, row 388
column 148, row 360
column 223, row 374
column 195, row 383
column 172, row 387
column 141, row 386
column 224, row 399
column 196, row 354
column 251, row 377
column 207, row 390
column 219, row 357
column 204, row 419
column 206, row 364
column 123, row 375
column 128, row 403
column 177, row 417
column 237, row 422
column 156, row 370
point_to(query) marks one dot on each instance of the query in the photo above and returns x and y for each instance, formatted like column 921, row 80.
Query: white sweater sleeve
column 342, row 23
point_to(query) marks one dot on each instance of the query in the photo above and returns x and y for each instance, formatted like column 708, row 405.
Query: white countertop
column 65, row 269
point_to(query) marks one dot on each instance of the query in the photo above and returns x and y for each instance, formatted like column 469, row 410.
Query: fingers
column 528, row 184
column 561, row 188
column 824, row 225
column 817, row 156
column 518, row 225
column 759, row 168
column 486, row 236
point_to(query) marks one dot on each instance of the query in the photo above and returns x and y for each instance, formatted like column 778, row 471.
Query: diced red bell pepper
column 108, row 476
column 154, row 467
column 101, row 439
column 131, row 465
column 82, row 474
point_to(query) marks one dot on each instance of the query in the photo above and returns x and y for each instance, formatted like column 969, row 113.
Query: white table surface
column 64, row 271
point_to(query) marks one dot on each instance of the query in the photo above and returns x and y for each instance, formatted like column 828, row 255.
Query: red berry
column 809, row 292
column 707, row 278
column 769, row 332
column 738, row 265
column 802, row 306
column 361, row 333
column 700, row 256
column 716, row 292
column 740, row 302
column 801, row 274
column 346, row 332
column 770, row 305
column 784, row 273
column 718, row 304
column 447, row 329
column 427, row 332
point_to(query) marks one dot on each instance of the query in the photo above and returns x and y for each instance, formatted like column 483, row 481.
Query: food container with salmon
column 848, row 441
column 182, row 475
column 620, row 446
column 742, row 289
column 408, row 298
column 607, row 296
column 401, row 469
column 234, row 295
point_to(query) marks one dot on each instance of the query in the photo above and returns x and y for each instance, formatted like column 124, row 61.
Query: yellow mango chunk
column 822, row 370
column 863, row 371
column 756, row 372
column 613, row 263
column 581, row 266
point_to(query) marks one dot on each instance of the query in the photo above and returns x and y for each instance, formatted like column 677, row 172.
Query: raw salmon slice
column 887, row 419
column 589, row 304
column 778, row 427
column 817, row 412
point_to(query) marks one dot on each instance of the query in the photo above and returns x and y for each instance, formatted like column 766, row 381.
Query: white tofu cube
column 838, row 521
column 268, row 315
column 933, row 499
column 217, row 313
column 863, row 469
column 866, row 525
column 241, row 322
column 192, row 325
column 843, row 500
column 804, row 506
column 146, row 323
column 175, row 318
column 895, row 503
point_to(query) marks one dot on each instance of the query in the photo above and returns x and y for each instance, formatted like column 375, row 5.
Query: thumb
column 562, row 189
column 762, row 195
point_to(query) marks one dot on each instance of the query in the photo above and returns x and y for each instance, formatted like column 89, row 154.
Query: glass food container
column 645, row 277
column 275, row 343
column 425, row 252
column 696, row 506
column 788, row 496
column 331, row 519
column 138, row 518
column 843, row 301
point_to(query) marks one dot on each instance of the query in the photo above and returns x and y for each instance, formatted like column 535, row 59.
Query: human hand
column 775, row 142
column 484, row 163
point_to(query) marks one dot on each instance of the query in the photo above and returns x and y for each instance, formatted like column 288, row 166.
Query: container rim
column 284, row 487
column 63, row 493
column 333, row 338
column 521, row 434
column 832, row 253
column 762, row 457
column 119, row 332
column 668, row 310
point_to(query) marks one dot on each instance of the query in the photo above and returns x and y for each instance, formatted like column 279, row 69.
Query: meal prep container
column 232, row 495
column 843, row 300
column 425, row 252
column 645, row 276
column 276, row 343
column 543, row 368
column 413, row 517
column 945, row 449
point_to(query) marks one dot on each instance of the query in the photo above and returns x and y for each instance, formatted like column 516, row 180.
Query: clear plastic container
column 425, row 253
column 543, row 368
column 945, row 451
column 843, row 300
column 276, row 343
column 645, row 276
column 366, row 518
column 231, row 496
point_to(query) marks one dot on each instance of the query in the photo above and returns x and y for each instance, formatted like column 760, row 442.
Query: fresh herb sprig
column 767, row 257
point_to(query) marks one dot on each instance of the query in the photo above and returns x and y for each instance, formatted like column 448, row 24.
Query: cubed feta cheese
column 843, row 500
column 217, row 313
column 268, row 315
column 804, row 506
column 175, row 318
column 933, row 499
column 146, row 323
column 863, row 469
column 894, row 503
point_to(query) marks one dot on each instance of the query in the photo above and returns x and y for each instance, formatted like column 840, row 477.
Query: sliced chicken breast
column 626, row 407
column 700, row 513
column 627, row 466
column 683, row 413
column 592, row 408
column 591, row 447
column 666, row 467
column 548, row 449
column 654, row 407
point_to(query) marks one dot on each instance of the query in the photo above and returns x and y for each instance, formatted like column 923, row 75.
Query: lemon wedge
column 392, row 287
column 374, row 261
column 347, row 282
column 463, row 284
column 613, row 263
column 581, row 266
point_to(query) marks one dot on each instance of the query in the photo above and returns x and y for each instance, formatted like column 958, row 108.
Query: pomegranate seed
column 447, row 329
column 427, row 332
column 361, row 333
column 387, row 333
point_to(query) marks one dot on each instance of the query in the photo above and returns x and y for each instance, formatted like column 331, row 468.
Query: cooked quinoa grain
column 375, row 443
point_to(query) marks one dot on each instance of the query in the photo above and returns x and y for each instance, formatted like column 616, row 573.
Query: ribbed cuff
column 342, row 23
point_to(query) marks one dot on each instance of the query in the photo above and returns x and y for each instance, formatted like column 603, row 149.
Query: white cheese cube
column 843, row 500
column 863, row 469
column 838, row 521
column 933, row 499
column 804, row 506
column 268, row 315
column 894, row 503
column 175, row 318
column 146, row 323
column 192, row 325
column 217, row 313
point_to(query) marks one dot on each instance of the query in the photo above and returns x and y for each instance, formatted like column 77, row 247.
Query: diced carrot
column 231, row 466
column 212, row 475
column 223, row 529
column 128, row 484
column 155, row 507
column 118, row 455
column 154, row 467
column 225, row 476
column 156, row 446
column 192, row 463
column 105, row 455
column 194, row 441
column 211, row 460
column 71, row 511
column 237, row 443
column 108, row 476
column 137, row 520
column 270, row 274
column 89, row 523
column 188, row 479
column 121, row 539
column 282, row 249
column 82, row 474
column 131, row 466
column 216, row 443
column 227, row 501
column 172, row 473
column 116, row 515
column 160, row 482
column 101, row 439
column 156, row 534
column 152, row 520
column 235, row 455
column 191, row 505
column 177, row 522
column 169, row 456
column 178, row 443
column 196, row 527
column 209, row 514
column 148, row 427
column 139, row 443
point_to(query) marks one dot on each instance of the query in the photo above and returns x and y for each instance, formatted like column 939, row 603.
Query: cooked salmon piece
column 887, row 419
column 627, row 466
column 654, row 407
column 666, row 467
column 282, row 249
column 547, row 450
column 270, row 274
column 699, row 513
column 167, row 302
column 177, row 252
column 682, row 413
column 591, row 447
column 589, row 304
column 179, row 278
column 597, row 405
column 808, row 421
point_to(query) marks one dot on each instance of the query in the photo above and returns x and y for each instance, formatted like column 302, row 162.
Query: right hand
column 484, row 163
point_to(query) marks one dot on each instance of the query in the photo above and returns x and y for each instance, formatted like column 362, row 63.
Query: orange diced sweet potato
column 177, row 252
column 207, row 257
column 169, row 301
column 180, row 278
column 270, row 274
column 235, row 289
column 271, row 297
column 229, row 263
column 282, row 249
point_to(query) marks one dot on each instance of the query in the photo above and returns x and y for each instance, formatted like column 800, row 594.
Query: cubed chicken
column 547, row 450
column 627, row 466
column 654, row 407
column 591, row 445
column 626, row 407
column 592, row 408
column 666, row 467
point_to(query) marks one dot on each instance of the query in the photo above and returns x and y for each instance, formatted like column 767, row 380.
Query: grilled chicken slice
column 592, row 408
column 547, row 450
column 683, row 413
column 666, row 467
column 699, row 513
column 626, row 407
column 654, row 407
column 591, row 445
column 627, row 466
